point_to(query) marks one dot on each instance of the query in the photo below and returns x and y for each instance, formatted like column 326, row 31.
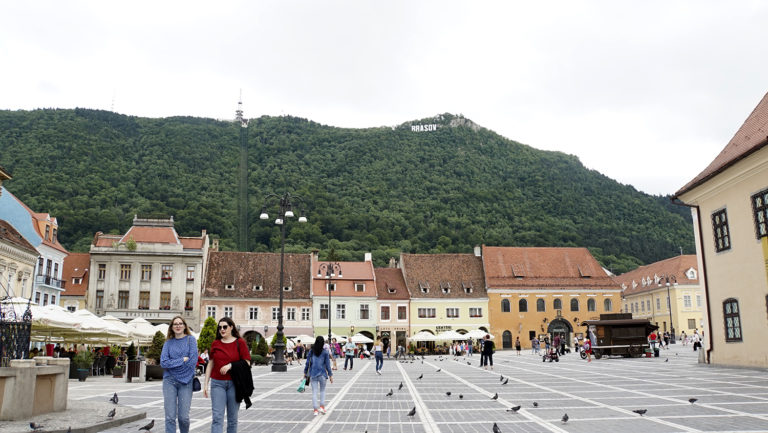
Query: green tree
column 156, row 349
column 274, row 340
column 207, row 334
column 262, row 348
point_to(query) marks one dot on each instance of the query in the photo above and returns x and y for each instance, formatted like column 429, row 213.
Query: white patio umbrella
column 339, row 338
column 143, row 331
column 423, row 336
column 360, row 338
column 163, row 327
column 478, row 333
column 304, row 338
column 451, row 335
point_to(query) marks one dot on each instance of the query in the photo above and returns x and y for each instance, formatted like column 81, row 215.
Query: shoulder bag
column 195, row 381
column 305, row 380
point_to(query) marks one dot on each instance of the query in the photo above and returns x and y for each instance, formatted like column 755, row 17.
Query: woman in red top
column 227, row 348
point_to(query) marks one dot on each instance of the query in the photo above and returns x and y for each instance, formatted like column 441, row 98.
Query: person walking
column 318, row 370
column 488, row 347
column 379, row 355
column 228, row 351
column 299, row 351
column 349, row 354
column 588, row 349
column 178, row 359
column 517, row 345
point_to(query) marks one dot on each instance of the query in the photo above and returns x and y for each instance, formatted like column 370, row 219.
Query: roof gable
column 443, row 275
column 390, row 284
column 75, row 266
column 256, row 275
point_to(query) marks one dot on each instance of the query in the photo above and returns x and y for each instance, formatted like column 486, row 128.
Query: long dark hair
column 170, row 334
column 228, row 321
column 317, row 348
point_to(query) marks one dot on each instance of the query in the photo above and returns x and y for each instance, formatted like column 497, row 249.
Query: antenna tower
column 242, row 201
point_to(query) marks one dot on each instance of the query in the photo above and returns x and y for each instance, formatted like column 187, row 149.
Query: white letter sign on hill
column 422, row 128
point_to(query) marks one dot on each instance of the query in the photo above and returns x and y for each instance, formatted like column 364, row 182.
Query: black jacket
column 243, row 381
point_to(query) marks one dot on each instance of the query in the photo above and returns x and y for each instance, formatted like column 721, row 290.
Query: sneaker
column 378, row 372
column 315, row 413
column 322, row 410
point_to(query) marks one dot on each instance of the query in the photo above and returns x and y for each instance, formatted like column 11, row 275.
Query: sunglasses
column 224, row 327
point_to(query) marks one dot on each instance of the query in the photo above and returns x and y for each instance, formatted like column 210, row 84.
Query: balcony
column 49, row 281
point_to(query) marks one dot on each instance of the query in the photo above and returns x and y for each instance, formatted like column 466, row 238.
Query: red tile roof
column 154, row 235
column 192, row 243
column 674, row 266
column 390, row 284
column 437, row 272
column 75, row 266
column 543, row 268
column 352, row 272
column 10, row 235
column 752, row 135
column 246, row 270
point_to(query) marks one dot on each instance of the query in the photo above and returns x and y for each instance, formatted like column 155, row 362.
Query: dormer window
column 359, row 287
column 391, row 290
column 691, row 274
column 55, row 232
column 424, row 287
column 331, row 287
column 47, row 232
column 584, row 272
column 445, row 287
column 229, row 287
column 287, row 289
column 518, row 271
column 467, row 289
column 258, row 288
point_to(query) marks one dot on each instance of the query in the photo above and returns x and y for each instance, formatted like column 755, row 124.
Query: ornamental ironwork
column 15, row 331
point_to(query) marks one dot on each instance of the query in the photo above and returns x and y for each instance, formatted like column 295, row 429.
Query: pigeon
column 149, row 426
column 400, row 387
column 496, row 428
column 692, row 400
column 505, row 382
column 114, row 398
column 461, row 396
column 34, row 426
column 448, row 393
column 666, row 360
column 514, row 409
column 640, row 412
column 419, row 378
column 438, row 370
column 535, row 404
column 495, row 396
column 412, row 412
column 469, row 363
column 564, row 419
column 501, row 379
column 389, row 394
column 111, row 413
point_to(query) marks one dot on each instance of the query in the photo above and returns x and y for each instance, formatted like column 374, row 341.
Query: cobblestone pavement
column 598, row 397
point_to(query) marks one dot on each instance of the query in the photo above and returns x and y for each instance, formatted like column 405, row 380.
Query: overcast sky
column 646, row 93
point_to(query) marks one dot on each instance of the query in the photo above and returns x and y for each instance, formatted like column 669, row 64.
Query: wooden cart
column 620, row 337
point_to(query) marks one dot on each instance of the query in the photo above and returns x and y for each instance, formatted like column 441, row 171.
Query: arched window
column 540, row 305
column 505, row 308
column 591, row 305
column 732, row 320
column 522, row 305
column 607, row 305
column 557, row 304
column 574, row 304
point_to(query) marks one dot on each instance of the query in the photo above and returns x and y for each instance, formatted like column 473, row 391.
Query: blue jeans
column 223, row 397
column 379, row 360
column 318, row 386
column 177, row 399
column 351, row 360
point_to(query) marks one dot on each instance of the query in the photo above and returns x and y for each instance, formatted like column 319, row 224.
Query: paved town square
column 598, row 397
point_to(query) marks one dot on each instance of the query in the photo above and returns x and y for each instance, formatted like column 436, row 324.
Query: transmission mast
column 242, row 198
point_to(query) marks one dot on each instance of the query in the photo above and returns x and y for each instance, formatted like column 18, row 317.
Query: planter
column 154, row 372
column 117, row 372
column 82, row 373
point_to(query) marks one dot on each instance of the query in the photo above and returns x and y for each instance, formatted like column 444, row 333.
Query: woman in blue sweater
column 318, row 369
column 179, row 358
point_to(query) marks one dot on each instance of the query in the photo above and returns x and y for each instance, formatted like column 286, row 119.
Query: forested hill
column 383, row 190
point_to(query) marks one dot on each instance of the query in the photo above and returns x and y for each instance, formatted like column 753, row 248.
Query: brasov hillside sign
column 423, row 128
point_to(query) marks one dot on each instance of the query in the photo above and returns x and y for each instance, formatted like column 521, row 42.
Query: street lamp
column 285, row 211
column 328, row 271
column 266, row 329
column 667, row 278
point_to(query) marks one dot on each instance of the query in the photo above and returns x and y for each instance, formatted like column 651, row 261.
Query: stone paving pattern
column 597, row 396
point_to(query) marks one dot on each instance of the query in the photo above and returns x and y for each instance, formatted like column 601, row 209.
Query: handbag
column 302, row 384
column 195, row 381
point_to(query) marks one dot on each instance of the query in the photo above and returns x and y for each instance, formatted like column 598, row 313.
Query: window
column 505, row 307
column 166, row 272
column 47, row 232
column 210, row 311
column 445, row 287
column 55, row 270
column 359, row 287
column 522, row 305
column 760, row 209
column 691, row 323
column 452, row 313
column 687, row 303
column 71, row 308
column 125, row 272
column 574, row 304
column 642, row 306
column 424, row 287
column 253, row 313
column 365, row 313
column 45, row 299
column 122, row 299
column 229, row 287
column 258, row 288
column 77, row 280
column 41, row 264
column 55, row 234
column 668, row 307
column 467, row 289
column 607, row 305
column 146, row 272
column 191, row 273
column 426, row 313
column 143, row 300
column 402, row 313
column 732, row 320
column 475, row 312
column 722, row 233
column 330, row 287
column 290, row 313
column 275, row 313
column 102, row 270
column 229, row 311
column 287, row 288
column 658, row 303
column 341, row 311
column 165, row 300
column 53, row 299
column 323, row 311
column 99, row 299
column 591, row 305
column 305, row 313
column 557, row 304
column 698, row 301
column 541, row 306
column 189, row 298
column 648, row 304
column 385, row 312
column 37, row 297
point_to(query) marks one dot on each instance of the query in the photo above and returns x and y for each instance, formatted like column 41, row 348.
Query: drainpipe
column 679, row 202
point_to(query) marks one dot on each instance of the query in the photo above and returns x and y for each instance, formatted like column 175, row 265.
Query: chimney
column 215, row 245
column 478, row 251
column 392, row 262
column 315, row 255
column 368, row 257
